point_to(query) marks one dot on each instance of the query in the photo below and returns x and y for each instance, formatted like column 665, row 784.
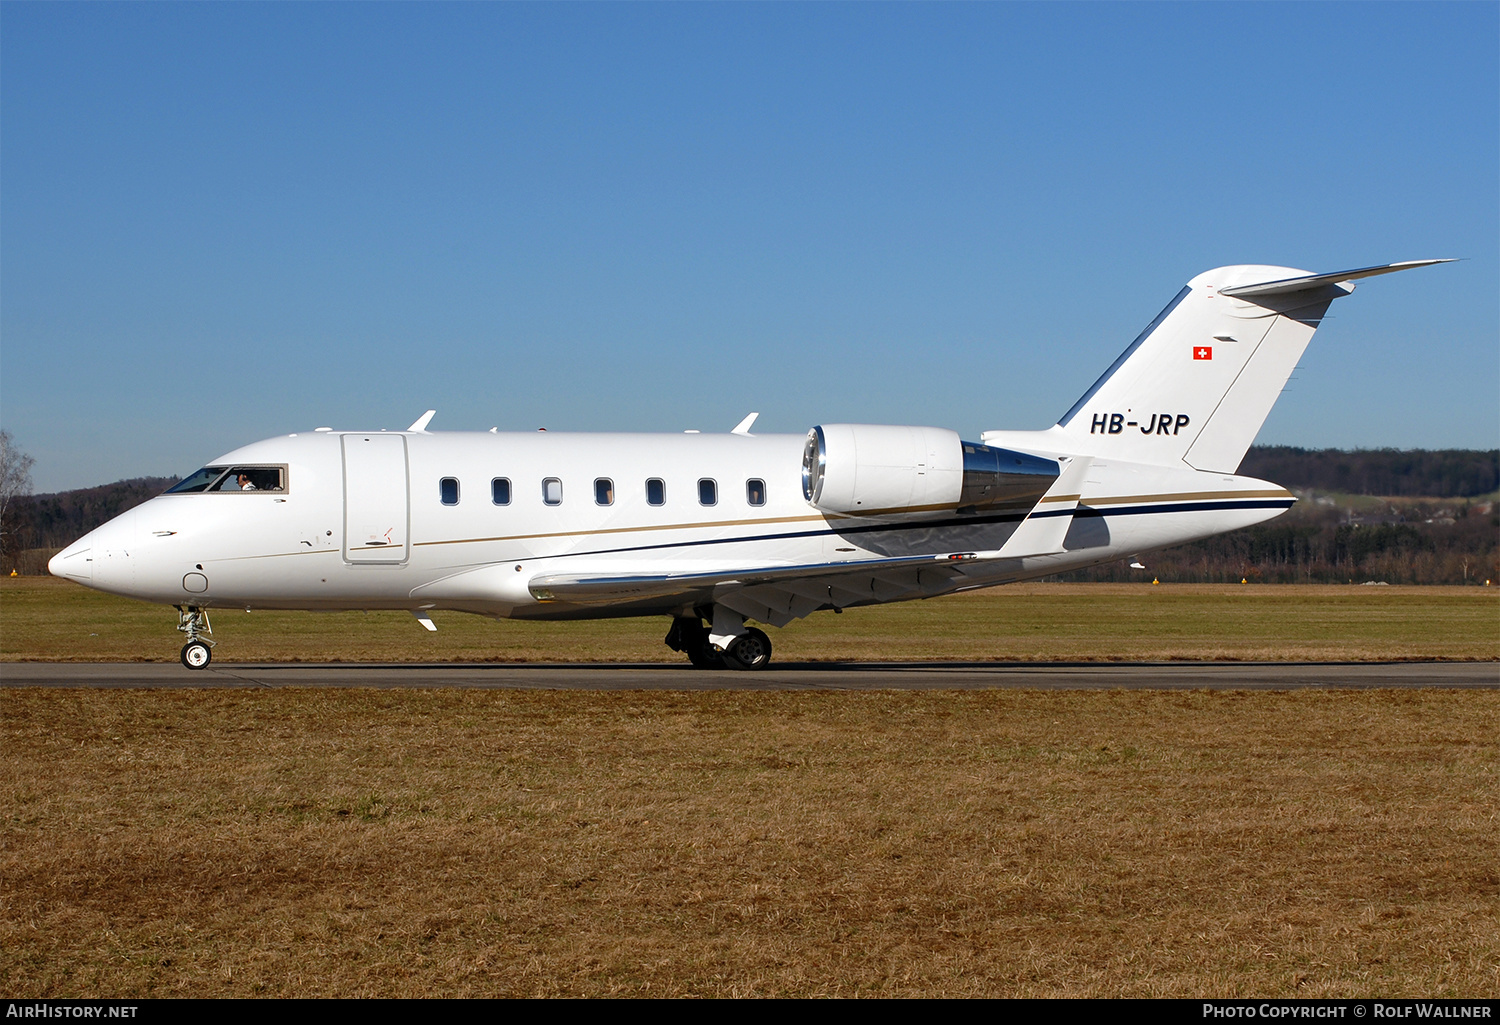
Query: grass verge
column 481, row 843
column 44, row 619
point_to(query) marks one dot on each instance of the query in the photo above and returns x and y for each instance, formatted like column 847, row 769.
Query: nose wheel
column 193, row 621
column 196, row 655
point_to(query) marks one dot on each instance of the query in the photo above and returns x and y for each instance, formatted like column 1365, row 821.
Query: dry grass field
column 48, row 619
column 376, row 843
column 312, row 842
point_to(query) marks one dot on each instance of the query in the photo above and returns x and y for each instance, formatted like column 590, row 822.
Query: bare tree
column 15, row 479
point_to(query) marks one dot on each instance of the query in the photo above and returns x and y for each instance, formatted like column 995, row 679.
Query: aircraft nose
column 101, row 558
column 74, row 562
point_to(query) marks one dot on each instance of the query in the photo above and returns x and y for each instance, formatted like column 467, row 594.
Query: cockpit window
column 233, row 478
column 254, row 478
column 197, row 481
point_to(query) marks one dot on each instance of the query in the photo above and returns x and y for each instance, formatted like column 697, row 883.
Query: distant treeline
column 1448, row 538
column 56, row 521
column 1417, row 473
column 1424, row 542
column 1428, row 529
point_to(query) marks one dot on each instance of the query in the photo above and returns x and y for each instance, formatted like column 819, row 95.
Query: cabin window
column 604, row 491
column 500, row 491
column 448, row 490
column 656, row 491
column 755, row 491
column 552, row 491
column 708, row 492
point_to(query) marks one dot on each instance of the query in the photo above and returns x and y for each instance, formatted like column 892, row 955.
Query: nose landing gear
column 193, row 621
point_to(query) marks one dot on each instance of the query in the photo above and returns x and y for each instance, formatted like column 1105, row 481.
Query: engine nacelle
column 872, row 470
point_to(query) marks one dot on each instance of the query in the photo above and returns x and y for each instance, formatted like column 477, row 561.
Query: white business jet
column 714, row 530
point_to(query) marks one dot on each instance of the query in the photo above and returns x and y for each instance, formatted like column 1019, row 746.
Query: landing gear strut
column 750, row 650
column 193, row 621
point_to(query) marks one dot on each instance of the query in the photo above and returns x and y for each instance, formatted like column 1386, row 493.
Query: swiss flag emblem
column 1203, row 352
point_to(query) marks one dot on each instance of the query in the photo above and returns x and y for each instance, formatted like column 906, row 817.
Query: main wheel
column 195, row 654
column 751, row 650
column 703, row 656
column 690, row 637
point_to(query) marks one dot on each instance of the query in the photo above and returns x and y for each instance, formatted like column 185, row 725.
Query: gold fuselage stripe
column 627, row 530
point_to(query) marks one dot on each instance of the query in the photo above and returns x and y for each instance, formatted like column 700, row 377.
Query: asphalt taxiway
column 787, row 676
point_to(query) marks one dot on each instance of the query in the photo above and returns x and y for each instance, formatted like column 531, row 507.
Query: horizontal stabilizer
column 1043, row 531
column 1311, row 281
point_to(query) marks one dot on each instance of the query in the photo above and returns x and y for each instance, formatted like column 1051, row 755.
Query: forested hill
column 1389, row 472
column 57, row 520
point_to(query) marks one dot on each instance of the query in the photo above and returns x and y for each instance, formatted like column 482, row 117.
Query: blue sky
column 221, row 222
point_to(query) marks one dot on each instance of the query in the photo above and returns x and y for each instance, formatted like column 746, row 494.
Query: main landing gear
column 749, row 649
column 193, row 621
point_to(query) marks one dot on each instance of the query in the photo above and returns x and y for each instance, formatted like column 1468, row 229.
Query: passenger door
column 376, row 510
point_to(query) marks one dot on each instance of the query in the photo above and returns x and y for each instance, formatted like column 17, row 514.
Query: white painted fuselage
column 305, row 548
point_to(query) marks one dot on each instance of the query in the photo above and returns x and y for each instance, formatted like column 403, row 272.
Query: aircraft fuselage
column 349, row 531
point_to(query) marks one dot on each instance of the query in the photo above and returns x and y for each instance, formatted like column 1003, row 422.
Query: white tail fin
column 1197, row 384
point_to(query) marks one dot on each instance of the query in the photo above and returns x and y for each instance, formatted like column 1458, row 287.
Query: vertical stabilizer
column 1197, row 384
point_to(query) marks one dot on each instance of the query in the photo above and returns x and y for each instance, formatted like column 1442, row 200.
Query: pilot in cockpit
column 246, row 484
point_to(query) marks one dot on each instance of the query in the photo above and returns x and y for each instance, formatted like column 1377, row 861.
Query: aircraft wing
column 780, row 594
column 773, row 594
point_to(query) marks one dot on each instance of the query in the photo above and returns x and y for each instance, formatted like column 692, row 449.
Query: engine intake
column 873, row 470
